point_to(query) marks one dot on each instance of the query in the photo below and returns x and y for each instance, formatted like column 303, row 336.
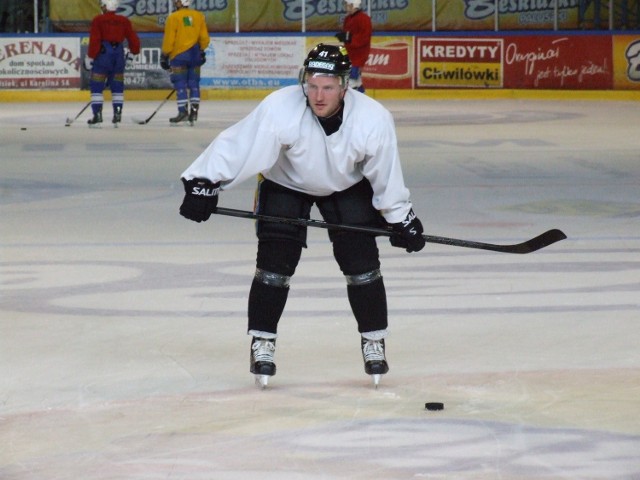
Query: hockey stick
column 70, row 120
column 536, row 243
column 144, row 122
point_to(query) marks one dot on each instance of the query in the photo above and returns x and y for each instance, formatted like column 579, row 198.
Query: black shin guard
column 369, row 305
column 266, row 304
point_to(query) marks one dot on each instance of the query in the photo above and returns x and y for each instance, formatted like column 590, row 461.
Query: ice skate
column 261, row 360
column 96, row 121
column 117, row 116
column 375, row 363
column 181, row 117
column 193, row 114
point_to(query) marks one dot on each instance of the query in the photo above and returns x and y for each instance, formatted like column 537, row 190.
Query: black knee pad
column 279, row 256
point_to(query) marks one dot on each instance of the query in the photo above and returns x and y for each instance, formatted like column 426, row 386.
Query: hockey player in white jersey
column 315, row 143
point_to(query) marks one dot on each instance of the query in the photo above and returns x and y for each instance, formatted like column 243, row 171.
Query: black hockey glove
column 203, row 57
column 164, row 62
column 343, row 37
column 200, row 199
column 408, row 233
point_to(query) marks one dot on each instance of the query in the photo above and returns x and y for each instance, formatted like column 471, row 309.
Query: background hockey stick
column 147, row 120
column 536, row 243
column 71, row 120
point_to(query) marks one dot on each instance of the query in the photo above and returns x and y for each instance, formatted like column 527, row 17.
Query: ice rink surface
column 123, row 346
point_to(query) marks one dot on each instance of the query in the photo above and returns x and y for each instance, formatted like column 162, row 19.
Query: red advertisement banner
column 390, row 63
column 558, row 62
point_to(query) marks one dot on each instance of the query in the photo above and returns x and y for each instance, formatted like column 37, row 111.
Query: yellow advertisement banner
column 626, row 62
column 453, row 74
column 512, row 15
column 145, row 15
column 327, row 15
column 253, row 15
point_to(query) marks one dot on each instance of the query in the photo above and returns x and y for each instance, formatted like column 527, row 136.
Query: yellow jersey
column 184, row 28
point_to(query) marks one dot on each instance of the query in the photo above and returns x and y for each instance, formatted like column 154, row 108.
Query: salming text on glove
column 408, row 233
column 200, row 199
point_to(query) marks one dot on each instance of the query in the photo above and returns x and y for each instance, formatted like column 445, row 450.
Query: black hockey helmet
column 326, row 59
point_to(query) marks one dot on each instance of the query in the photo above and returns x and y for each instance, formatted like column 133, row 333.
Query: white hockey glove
column 88, row 63
column 128, row 60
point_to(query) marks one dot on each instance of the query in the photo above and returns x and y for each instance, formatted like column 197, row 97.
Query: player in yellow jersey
column 183, row 52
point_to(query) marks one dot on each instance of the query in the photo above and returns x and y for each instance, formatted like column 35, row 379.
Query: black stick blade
column 547, row 238
column 544, row 240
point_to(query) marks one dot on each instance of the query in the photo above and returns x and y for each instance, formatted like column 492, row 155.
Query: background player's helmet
column 355, row 3
column 326, row 59
column 110, row 5
column 184, row 3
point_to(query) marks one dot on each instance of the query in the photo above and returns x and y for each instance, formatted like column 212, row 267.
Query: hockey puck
column 434, row 406
column 23, row 128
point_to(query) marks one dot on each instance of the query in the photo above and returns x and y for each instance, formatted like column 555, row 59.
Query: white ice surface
column 123, row 347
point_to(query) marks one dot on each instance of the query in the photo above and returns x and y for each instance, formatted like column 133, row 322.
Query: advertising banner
column 327, row 15
column 626, row 61
column 459, row 62
column 559, row 62
column 512, row 15
column 252, row 15
column 39, row 63
column 145, row 15
column 253, row 62
column 231, row 62
column 390, row 63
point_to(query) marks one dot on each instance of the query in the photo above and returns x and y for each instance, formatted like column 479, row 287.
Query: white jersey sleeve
column 248, row 147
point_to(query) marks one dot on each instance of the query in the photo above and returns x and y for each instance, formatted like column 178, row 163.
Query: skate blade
column 376, row 379
column 262, row 381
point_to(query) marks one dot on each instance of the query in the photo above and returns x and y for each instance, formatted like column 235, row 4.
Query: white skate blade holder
column 262, row 381
column 376, row 379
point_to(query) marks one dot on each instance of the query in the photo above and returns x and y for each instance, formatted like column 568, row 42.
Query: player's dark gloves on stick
column 164, row 62
column 408, row 233
column 200, row 199
column 343, row 37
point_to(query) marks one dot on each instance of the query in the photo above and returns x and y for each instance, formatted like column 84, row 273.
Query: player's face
column 324, row 94
column 349, row 8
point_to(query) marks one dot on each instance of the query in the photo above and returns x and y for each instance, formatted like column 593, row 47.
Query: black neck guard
column 331, row 124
